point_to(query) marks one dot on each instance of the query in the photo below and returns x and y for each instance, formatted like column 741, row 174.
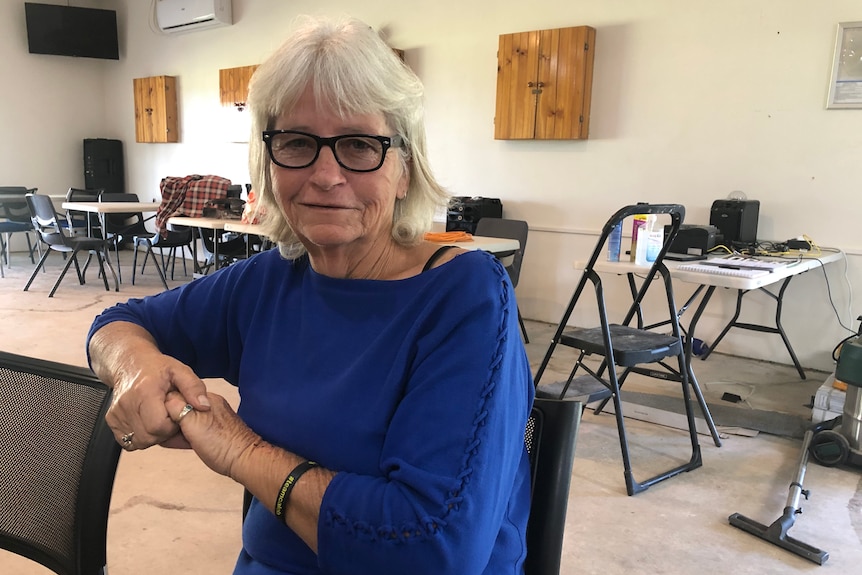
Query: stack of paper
column 726, row 270
column 747, row 262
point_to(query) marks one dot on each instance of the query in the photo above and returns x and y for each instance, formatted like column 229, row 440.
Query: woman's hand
column 218, row 436
column 124, row 357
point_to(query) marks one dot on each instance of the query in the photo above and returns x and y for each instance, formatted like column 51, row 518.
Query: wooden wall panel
column 233, row 85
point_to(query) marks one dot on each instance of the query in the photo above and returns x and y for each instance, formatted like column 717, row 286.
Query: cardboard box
column 828, row 401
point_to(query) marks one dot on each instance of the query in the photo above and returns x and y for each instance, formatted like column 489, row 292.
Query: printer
column 694, row 239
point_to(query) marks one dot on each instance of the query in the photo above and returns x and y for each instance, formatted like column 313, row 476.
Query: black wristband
column 287, row 487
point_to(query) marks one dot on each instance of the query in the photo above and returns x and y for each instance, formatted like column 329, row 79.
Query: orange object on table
column 448, row 237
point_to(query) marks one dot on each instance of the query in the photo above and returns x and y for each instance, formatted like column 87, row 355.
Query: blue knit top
column 415, row 391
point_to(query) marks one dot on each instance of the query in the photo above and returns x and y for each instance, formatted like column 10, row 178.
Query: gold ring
column 186, row 410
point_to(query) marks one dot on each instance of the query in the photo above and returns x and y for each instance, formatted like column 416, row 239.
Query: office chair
column 626, row 347
column 512, row 229
column 56, row 237
column 16, row 214
column 549, row 438
column 59, row 459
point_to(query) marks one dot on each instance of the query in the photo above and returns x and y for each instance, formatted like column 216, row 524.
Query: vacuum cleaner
column 829, row 443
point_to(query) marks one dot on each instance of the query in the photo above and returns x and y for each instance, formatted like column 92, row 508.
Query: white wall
column 692, row 99
column 49, row 105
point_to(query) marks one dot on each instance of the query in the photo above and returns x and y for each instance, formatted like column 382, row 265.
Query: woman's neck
column 388, row 261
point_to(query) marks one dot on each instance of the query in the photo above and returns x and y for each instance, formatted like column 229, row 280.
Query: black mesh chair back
column 57, row 238
column 515, row 230
column 631, row 346
column 59, row 459
column 550, row 439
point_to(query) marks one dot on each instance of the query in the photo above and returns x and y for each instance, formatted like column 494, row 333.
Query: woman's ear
column 404, row 181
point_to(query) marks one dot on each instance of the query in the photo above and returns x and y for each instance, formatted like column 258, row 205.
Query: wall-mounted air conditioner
column 190, row 15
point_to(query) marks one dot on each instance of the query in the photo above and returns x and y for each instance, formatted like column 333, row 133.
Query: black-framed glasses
column 355, row 152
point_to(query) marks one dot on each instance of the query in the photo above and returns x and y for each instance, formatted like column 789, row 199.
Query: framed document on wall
column 845, row 86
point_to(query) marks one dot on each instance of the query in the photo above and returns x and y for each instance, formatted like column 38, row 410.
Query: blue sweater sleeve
column 197, row 323
column 469, row 393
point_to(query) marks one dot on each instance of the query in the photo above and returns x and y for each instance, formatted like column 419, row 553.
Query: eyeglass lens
column 297, row 150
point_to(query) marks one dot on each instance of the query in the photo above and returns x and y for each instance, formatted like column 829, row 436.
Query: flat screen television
column 72, row 31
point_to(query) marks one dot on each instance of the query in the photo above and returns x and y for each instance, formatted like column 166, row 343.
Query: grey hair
column 353, row 71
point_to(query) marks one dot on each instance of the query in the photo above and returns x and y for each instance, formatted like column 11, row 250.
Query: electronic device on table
column 464, row 212
column 736, row 220
column 692, row 242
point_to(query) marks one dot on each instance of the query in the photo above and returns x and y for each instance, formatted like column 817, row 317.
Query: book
column 703, row 267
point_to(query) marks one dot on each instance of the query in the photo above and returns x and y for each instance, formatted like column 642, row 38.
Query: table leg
column 778, row 329
column 215, row 250
column 689, row 342
column 197, row 269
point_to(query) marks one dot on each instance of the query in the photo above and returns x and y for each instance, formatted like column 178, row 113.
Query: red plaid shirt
column 187, row 197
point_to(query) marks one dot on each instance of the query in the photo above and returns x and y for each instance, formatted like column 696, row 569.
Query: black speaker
column 736, row 219
column 103, row 165
column 465, row 212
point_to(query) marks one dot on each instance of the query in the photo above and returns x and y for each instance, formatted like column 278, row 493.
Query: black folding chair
column 15, row 218
column 629, row 348
column 59, row 238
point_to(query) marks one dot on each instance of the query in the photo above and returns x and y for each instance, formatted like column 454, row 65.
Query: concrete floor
column 170, row 514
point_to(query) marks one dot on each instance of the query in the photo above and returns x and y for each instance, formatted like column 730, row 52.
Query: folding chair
column 122, row 227
column 59, row 238
column 512, row 229
column 172, row 240
column 59, row 459
column 625, row 348
column 15, row 218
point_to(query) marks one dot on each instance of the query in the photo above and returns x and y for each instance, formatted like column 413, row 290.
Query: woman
column 384, row 387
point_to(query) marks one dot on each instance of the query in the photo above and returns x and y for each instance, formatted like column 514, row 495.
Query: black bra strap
column 435, row 256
